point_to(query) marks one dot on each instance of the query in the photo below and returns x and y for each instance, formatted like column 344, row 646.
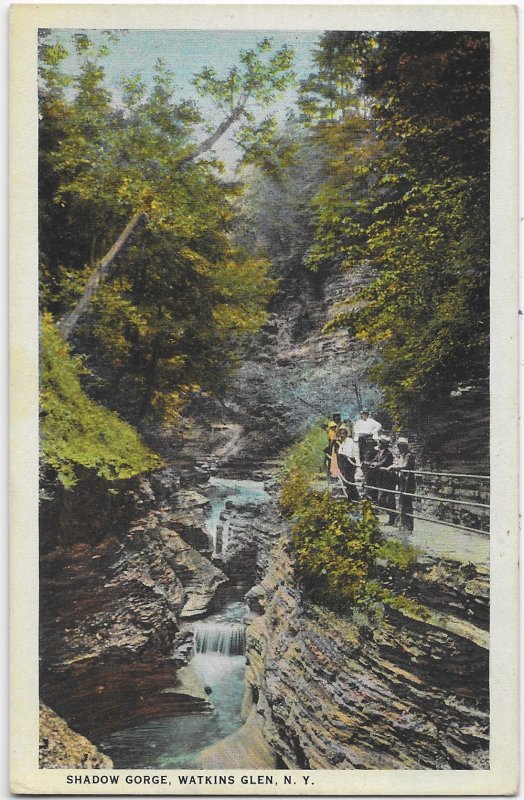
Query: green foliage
column 74, row 430
column 335, row 548
column 301, row 466
column 260, row 76
column 395, row 552
column 139, row 156
column 169, row 321
column 337, row 545
column 167, row 328
column 405, row 117
column 266, row 148
column 332, row 92
column 275, row 216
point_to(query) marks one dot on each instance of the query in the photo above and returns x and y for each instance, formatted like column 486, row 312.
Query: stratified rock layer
column 292, row 372
column 250, row 537
column 112, row 649
column 396, row 693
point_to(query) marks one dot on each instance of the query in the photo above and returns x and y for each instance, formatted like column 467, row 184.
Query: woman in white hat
column 347, row 462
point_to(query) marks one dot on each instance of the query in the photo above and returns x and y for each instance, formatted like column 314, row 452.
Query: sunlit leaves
column 258, row 78
column 167, row 322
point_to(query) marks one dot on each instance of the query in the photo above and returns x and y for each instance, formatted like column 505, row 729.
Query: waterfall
column 221, row 491
column 223, row 638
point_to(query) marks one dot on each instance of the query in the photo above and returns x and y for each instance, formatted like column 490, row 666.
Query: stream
column 218, row 660
column 223, row 491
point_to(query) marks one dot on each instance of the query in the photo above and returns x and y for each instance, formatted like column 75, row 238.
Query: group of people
column 360, row 457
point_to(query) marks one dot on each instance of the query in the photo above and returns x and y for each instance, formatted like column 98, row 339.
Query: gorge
column 208, row 597
column 175, row 634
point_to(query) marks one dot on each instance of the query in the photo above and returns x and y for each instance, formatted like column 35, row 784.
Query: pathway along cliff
column 195, row 324
column 149, row 603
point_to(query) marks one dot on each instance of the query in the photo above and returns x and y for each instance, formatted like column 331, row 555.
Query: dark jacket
column 406, row 481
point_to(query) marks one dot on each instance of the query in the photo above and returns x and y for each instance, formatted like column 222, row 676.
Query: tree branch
column 101, row 272
column 211, row 140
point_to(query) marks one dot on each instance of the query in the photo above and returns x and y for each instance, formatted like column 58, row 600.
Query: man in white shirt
column 366, row 431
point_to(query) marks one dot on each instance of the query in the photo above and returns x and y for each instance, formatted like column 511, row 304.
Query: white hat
column 402, row 440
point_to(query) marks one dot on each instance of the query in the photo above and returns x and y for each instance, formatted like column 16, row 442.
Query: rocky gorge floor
column 113, row 645
column 390, row 690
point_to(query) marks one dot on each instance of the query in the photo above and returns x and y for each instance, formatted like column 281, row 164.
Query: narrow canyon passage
column 231, row 575
column 218, row 663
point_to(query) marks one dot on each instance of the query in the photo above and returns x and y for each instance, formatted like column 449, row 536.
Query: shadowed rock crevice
column 112, row 649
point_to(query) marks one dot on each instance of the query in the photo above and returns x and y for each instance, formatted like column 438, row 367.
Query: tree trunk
column 210, row 142
column 150, row 375
column 68, row 323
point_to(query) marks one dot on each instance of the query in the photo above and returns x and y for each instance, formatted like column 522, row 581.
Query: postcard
column 263, row 293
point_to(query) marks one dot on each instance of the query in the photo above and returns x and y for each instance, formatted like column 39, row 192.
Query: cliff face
column 292, row 373
column 62, row 748
column 250, row 536
column 112, row 648
column 121, row 573
column 394, row 692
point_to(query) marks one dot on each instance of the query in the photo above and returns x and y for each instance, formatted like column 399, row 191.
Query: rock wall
column 250, row 536
column 62, row 748
column 113, row 646
column 292, row 373
column 393, row 692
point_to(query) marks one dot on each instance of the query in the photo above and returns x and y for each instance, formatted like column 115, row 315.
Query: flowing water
column 173, row 742
column 218, row 661
column 222, row 634
column 224, row 490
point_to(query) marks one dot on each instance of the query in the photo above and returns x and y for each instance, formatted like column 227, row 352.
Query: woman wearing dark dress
column 405, row 464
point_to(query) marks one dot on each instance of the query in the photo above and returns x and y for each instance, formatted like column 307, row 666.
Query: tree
column 168, row 325
column 138, row 160
column 161, row 315
column 420, row 215
column 274, row 215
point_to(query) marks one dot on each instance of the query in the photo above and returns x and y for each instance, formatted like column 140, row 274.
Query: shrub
column 336, row 544
column 301, row 466
column 335, row 547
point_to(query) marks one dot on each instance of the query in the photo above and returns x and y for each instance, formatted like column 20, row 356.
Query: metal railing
column 429, row 497
column 395, row 511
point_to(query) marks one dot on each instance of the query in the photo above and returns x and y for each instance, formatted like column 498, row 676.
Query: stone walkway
column 437, row 540
column 432, row 539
